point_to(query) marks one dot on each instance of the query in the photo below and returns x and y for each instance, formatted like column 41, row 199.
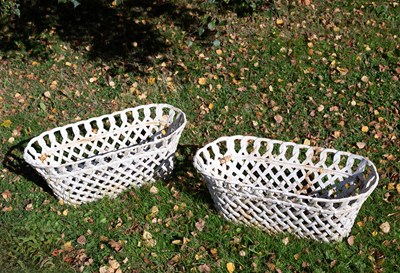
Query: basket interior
column 102, row 135
column 287, row 167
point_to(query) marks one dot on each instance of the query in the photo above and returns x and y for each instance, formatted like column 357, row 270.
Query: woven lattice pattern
column 286, row 187
column 103, row 156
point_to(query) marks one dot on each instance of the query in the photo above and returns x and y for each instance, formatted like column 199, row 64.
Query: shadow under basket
column 286, row 187
column 103, row 156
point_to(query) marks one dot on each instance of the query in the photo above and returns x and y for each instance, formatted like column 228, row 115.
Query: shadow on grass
column 185, row 177
column 126, row 35
column 15, row 163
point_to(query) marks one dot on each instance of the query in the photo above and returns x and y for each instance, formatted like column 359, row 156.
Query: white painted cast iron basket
column 103, row 156
column 286, row 187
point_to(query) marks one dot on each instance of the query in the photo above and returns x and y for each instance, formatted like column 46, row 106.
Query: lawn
column 324, row 73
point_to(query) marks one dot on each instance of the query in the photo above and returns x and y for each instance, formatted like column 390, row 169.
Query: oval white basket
column 286, row 187
column 103, row 156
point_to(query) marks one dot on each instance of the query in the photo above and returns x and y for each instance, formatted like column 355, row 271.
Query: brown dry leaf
column 350, row 240
column 174, row 259
column 6, row 195
column 278, row 119
column 225, row 159
column 29, row 207
column 9, row 208
column 364, row 79
column 398, row 188
column 336, row 134
column 117, row 246
column 81, row 240
column 113, row 263
column 153, row 190
column 200, row 224
column 385, row 227
column 214, row 253
column 230, row 267
column 305, row 2
column 204, row 268
column 361, row 145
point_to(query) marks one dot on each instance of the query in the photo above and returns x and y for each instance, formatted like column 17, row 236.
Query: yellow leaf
column 151, row 80
column 364, row 129
column 218, row 51
column 398, row 188
column 68, row 246
column 34, row 63
column 6, row 123
column 307, row 142
column 374, row 233
column 279, row 21
column 230, row 267
column 211, row 106
column 202, row 81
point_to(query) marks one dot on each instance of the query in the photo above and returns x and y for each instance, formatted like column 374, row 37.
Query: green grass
column 330, row 69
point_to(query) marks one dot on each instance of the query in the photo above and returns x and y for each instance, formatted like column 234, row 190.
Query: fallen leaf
column 364, row 129
column 278, row 119
column 361, row 145
column 321, row 108
column 374, row 233
column 202, row 81
column 398, row 188
column 81, row 240
column 218, row 51
column 285, row 241
column 153, row 190
column 29, row 207
column 307, row 142
column 113, row 264
column 47, row 94
column 385, row 227
column 279, row 21
column 93, row 79
column 204, row 268
column 350, row 240
column 6, row 123
column 364, row 79
column 200, row 224
column 230, row 267
column 68, row 246
column 6, row 195
column 225, row 159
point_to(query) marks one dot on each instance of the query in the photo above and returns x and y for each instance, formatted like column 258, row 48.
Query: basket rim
column 34, row 163
column 201, row 170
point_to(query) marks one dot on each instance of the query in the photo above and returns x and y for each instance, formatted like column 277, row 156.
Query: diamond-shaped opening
column 94, row 126
column 82, row 130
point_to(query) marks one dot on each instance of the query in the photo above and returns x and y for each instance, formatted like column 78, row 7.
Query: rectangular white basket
column 103, row 156
column 286, row 187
